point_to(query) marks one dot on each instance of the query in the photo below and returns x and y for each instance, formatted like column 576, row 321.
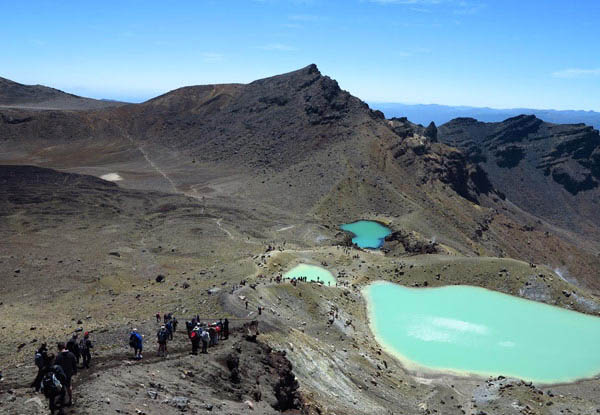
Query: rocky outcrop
column 431, row 132
column 550, row 170
column 439, row 162
column 413, row 243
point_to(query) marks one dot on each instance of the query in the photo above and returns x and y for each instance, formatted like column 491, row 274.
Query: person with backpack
column 195, row 339
column 205, row 340
column 169, row 327
column 213, row 335
column 67, row 361
column 73, row 347
column 136, row 342
column 226, row 329
column 158, row 317
column 175, row 322
column 85, row 346
column 162, row 337
column 42, row 361
column 53, row 386
column 219, row 328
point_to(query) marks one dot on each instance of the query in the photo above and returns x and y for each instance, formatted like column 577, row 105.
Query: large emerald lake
column 367, row 233
column 474, row 330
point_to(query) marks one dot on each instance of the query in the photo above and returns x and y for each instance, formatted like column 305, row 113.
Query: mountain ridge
column 440, row 114
column 528, row 158
column 17, row 95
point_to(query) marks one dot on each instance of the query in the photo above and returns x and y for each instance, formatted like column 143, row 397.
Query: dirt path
column 223, row 229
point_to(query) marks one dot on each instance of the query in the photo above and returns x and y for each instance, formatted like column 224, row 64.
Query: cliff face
column 418, row 146
column 548, row 169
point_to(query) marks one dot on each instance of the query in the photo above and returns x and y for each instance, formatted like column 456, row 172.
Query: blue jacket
column 138, row 337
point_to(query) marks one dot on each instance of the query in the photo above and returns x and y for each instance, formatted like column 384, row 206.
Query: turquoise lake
column 474, row 330
column 367, row 233
column 312, row 273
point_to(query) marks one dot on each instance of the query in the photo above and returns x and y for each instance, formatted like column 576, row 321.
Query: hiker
column 136, row 342
column 195, row 339
column 175, row 322
column 226, row 329
column 85, row 345
column 162, row 336
column 158, row 317
column 68, row 362
column 259, row 310
column 213, row 336
column 53, row 386
column 205, row 340
column 42, row 361
column 73, row 347
column 246, row 304
column 220, row 329
column 169, row 327
column 189, row 327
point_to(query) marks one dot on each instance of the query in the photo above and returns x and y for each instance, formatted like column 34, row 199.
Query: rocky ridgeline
column 419, row 146
column 14, row 94
column 569, row 154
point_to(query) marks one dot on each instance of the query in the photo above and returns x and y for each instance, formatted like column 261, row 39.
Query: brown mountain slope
column 292, row 144
column 16, row 95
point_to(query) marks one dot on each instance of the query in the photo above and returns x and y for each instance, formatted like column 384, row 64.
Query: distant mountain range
column 440, row 114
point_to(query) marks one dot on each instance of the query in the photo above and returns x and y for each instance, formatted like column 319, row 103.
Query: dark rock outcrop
column 431, row 132
column 550, row 170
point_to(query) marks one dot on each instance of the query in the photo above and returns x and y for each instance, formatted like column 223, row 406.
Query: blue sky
column 540, row 54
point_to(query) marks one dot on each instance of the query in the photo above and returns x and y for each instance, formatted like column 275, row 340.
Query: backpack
column 73, row 347
column 162, row 336
column 39, row 360
column 133, row 340
column 193, row 334
column 83, row 345
column 51, row 386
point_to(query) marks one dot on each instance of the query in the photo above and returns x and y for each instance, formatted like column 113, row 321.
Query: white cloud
column 306, row 17
column 211, row 57
column 277, row 47
column 461, row 7
column 577, row 73
column 421, row 2
column 292, row 25
column 466, row 8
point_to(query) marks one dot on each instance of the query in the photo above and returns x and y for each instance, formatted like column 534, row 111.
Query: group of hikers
column 198, row 333
column 208, row 334
column 56, row 372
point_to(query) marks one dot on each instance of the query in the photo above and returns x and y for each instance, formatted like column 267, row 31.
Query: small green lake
column 468, row 329
column 312, row 273
column 367, row 233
